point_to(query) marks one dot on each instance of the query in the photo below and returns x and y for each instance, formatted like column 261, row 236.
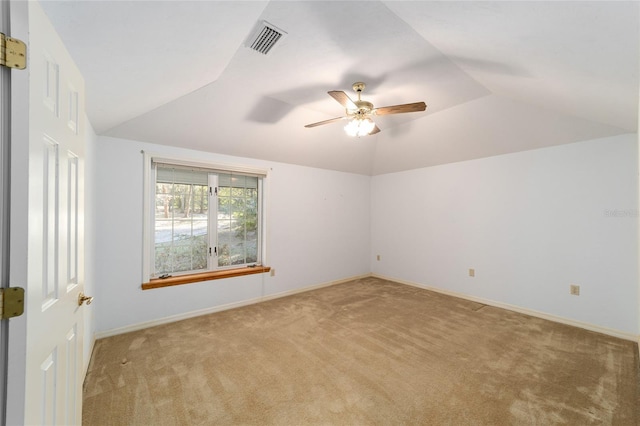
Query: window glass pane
column 237, row 220
column 181, row 211
column 237, row 192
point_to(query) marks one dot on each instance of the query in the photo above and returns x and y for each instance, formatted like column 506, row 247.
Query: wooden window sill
column 204, row 276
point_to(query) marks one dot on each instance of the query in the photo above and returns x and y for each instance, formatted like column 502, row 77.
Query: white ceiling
column 498, row 77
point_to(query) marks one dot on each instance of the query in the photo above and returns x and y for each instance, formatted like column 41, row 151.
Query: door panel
column 55, row 238
column 72, row 380
column 48, row 378
column 48, row 182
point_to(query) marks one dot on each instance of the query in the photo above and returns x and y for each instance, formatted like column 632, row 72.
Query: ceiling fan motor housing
column 364, row 108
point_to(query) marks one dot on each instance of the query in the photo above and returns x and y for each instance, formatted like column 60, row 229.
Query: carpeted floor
column 367, row 352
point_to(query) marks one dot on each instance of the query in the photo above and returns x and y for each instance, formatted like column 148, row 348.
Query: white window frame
column 149, row 180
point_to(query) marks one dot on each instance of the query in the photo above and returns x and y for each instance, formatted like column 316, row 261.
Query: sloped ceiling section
column 498, row 77
column 138, row 55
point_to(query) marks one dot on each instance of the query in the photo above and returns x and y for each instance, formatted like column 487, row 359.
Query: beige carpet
column 368, row 352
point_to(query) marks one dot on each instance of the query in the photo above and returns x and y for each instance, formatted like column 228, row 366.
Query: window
column 180, row 220
column 201, row 218
column 237, row 220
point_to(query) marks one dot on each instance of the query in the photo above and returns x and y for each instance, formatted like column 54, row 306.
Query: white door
column 53, row 364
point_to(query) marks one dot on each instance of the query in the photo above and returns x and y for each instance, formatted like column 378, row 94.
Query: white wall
column 318, row 232
column 530, row 223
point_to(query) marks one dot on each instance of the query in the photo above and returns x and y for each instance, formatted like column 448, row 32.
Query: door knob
column 82, row 298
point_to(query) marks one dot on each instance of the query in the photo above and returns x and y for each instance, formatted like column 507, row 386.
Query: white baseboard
column 219, row 308
column 526, row 311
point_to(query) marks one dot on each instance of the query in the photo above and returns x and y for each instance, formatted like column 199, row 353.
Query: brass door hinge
column 13, row 52
column 12, row 302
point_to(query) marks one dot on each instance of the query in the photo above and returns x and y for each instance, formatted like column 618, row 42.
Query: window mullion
column 172, row 247
column 212, row 260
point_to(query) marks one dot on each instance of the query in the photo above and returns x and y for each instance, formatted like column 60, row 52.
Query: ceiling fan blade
column 398, row 109
column 320, row 123
column 343, row 99
column 375, row 130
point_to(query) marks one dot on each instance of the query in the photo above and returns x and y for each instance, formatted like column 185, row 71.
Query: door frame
column 5, row 202
column 19, row 179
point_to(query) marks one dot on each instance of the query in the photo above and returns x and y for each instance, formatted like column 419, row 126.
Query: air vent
column 264, row 37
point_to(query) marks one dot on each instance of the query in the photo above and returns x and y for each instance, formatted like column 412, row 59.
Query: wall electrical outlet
column 378, row 257
column 273, row 272
column 574, row 289
column 472, row 272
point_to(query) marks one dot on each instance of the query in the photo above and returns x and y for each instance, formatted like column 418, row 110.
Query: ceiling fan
column 359, row 112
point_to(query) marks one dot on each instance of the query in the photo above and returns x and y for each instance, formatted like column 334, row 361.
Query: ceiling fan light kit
column 359, row 127
column 359, row 112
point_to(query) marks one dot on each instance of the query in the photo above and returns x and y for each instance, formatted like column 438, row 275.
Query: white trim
column 147, row 245
column 140, row 326
column 261, row 223
column 264, row 230
column 638, row 237
column 591, row 327
column 219, row 308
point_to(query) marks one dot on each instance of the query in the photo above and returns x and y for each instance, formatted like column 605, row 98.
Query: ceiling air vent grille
column 265, row 37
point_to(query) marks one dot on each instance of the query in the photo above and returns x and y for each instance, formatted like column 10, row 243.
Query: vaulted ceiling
column 498, row 77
